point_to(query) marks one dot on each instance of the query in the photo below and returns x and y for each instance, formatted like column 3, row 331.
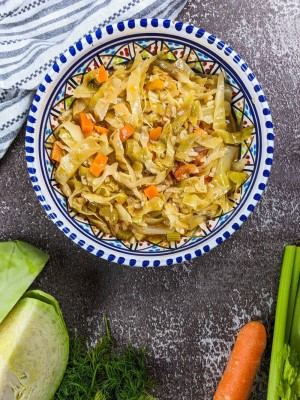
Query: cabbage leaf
column 20, row 263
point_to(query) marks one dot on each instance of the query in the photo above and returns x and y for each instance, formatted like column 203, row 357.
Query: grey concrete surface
column 187, row 315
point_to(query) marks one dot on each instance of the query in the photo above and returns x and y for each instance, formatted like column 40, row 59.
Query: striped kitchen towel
column 33, row 33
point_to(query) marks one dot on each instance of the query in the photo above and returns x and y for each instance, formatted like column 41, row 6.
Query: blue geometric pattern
column 118, row 44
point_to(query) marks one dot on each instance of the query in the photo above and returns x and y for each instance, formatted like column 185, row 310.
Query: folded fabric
column 34, row 33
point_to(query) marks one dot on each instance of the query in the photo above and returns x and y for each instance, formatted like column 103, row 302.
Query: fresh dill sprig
column 102, row 373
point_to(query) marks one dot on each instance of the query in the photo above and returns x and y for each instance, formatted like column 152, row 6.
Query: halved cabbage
column 34, row 349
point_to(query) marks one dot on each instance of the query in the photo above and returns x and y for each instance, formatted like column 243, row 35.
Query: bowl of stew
column 149, row 142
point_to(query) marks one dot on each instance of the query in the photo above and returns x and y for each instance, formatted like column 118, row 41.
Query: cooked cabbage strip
column 219, row 112
column 76, row 156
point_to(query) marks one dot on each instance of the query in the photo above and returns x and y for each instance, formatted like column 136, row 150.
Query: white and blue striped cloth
column 33, row 33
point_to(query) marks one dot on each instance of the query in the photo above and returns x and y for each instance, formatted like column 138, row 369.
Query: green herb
column 289, row 385
column 284, row 376
column 102, row 373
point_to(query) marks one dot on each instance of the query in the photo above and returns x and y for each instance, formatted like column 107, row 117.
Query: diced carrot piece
column 101, row 130
column 57, row 152
column 155, row 133
column 98, row 165
column 86, row 124
column 96, row 169
column 126, row 132
column 198, row 160
column 184, row 171
column 102, row 75
column 100, row 159
column 151, row 192
column 156, row 84
column 207, row 179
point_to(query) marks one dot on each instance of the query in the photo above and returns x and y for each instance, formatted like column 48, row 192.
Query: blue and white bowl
column 118, row 44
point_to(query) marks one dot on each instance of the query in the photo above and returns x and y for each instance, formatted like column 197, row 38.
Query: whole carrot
column 237, row 380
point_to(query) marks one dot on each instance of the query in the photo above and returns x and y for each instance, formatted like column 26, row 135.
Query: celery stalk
column 280, row 321
column 173, row 236
column 294, row 337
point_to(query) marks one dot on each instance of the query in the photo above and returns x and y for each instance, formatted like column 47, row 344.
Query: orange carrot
column 184, row 171
column 156, row 84
column 101, row 130
column 126, row 132
column 98, row 165
column 151, row 191
column 198, row 160
column 86, row 124
column 207, row 179
column 102, row 75
column 244, row 361
column 57, row 152
column 154, row 133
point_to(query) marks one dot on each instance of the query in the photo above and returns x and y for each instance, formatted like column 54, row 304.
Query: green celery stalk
column 281, row 317
column 294, row 337
column 294, row 294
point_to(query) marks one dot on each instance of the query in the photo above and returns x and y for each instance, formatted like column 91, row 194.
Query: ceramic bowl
column 118, row 44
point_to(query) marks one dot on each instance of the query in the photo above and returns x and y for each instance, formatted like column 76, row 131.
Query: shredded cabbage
column 183, row 140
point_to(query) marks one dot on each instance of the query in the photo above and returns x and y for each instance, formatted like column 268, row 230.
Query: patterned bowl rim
column 173, row 30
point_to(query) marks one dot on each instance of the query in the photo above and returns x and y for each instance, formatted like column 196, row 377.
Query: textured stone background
column 188, row 314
